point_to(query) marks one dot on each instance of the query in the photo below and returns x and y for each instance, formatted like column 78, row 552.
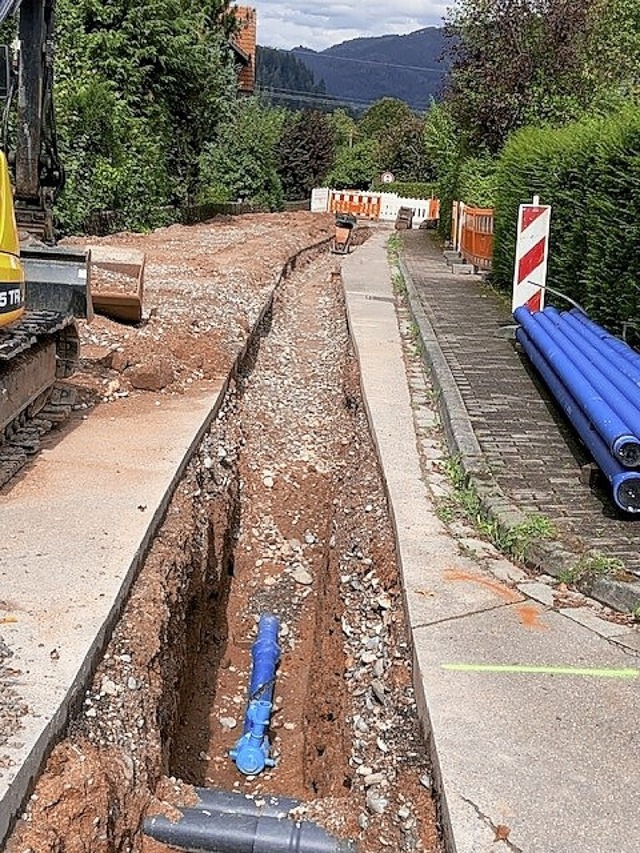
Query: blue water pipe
column 627, row 447
column 625, row 483
column 610, row 340
column 606, row 360
column 628, row 360
column 586, row 391
column 251, row 752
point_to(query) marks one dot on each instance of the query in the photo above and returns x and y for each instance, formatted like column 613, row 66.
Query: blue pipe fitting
column 251, row 752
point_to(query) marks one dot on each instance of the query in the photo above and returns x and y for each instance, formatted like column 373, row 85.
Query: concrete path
column 61, row 594
column 530, row 711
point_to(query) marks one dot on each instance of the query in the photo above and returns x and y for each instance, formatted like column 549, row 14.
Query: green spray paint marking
column 542, row 670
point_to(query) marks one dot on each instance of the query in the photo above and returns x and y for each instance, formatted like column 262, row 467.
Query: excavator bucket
column 117, row 282
column 57, row 280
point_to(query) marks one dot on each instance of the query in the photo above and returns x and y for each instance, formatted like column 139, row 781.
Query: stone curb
column 550, row 557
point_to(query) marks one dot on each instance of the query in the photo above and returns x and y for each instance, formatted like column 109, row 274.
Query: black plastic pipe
column 232, row 802
column 223, row 822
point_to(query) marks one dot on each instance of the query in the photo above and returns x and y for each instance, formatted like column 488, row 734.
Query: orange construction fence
column 359, row 204
column 476, row 236
column 433, row 210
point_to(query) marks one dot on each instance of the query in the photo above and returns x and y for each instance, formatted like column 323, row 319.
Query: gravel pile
column 204, row 288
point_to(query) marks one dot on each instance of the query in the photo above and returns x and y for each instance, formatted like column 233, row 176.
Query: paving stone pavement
column 531, row 450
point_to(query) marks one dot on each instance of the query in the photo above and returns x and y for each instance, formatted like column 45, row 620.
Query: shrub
column 589, row 172
column 407, row 189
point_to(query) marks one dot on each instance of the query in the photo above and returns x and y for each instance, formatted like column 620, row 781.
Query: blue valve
column 251, row 752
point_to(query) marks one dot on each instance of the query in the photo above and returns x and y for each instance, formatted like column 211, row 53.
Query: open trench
column 282, row 510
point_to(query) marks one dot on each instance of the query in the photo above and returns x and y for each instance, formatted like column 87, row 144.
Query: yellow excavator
column 42, row 288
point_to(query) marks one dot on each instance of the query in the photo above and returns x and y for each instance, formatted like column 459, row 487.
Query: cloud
column 318, row 25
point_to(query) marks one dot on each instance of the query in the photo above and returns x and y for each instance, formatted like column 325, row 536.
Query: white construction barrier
column 371, row 205
column 320, row 200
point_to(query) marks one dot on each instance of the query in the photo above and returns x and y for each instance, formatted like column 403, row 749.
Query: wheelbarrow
column 345, row 223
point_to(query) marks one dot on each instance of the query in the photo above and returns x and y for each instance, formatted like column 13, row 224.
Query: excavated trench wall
column 126, row 737
column 147, row 724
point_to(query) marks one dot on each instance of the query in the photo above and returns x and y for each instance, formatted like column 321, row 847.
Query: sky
column 289, row 23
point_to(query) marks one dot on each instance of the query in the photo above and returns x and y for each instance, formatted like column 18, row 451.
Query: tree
column 402, row 152
column 241, row 163
column 345, row 127
column 355, row 166
column 613, row 69
column 382, row 117
column 306, row 153
column 444, row 152
column 397, row 132
column 168, row 60
column 517, row 62
column 139, row 89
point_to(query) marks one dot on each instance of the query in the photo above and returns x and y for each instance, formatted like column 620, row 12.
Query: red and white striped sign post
column 532, row 254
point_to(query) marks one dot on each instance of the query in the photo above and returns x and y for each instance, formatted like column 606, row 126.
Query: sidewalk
column 62, row 594
column 532, row 453
column 529, row 709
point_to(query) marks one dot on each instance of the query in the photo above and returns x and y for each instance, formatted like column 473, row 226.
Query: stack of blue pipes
column 595, row 378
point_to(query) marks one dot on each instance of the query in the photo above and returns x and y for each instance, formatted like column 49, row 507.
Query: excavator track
column 34, row 354
column 33, row 327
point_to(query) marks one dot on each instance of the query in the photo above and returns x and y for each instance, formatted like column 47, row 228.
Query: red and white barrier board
column 372, row 205
column 532, row 255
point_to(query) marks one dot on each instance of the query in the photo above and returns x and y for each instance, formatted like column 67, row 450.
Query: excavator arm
column 38, row 172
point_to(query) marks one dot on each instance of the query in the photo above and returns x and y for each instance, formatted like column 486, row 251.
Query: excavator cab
column 37, row 277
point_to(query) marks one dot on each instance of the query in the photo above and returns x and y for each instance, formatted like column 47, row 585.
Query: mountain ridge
column 410, row 67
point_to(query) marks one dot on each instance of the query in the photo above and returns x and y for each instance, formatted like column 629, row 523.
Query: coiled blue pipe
column 625, row 484
column 251, row 752
column 587, row 389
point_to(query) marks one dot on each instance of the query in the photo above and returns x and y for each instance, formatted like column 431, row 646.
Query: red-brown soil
column 282, row 509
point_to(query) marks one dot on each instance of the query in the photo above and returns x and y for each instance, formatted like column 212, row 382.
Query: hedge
column 589, row 172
